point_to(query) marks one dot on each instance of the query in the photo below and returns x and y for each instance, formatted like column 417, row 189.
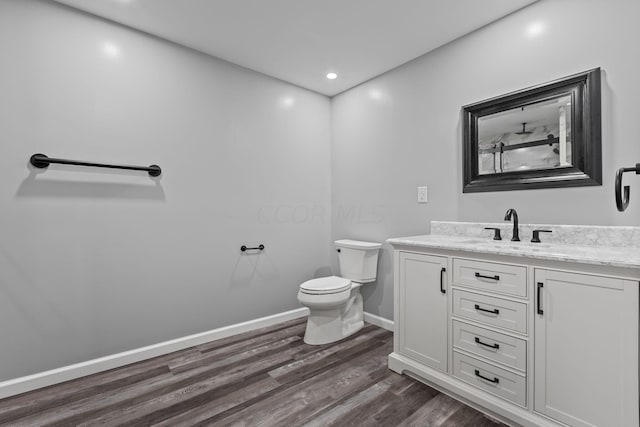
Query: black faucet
column 507, row 217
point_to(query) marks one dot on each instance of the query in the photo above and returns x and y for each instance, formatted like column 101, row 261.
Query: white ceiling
column 300, row 41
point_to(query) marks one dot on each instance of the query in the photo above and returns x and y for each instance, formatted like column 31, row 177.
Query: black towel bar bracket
column 42, row 161
column 622, row 200
column 243, row 248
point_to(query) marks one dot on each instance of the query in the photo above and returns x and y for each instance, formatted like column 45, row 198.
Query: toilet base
column 325, row 326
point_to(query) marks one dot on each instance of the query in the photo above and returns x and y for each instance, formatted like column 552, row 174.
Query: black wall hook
column 622, row 200
column 243, row 248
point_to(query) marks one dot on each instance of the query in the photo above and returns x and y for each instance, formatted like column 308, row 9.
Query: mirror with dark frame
column 540, row 137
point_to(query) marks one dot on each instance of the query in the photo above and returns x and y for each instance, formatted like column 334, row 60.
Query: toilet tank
column 358, row 260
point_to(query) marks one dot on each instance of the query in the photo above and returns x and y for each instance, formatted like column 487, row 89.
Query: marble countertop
column 622, row 255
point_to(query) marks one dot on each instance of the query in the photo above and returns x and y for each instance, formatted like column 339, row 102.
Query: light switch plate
column 422, row 195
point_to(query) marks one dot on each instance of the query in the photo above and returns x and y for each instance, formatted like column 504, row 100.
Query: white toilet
column 335, row 303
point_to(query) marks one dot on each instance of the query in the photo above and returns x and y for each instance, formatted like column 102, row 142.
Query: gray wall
column 93, row 263
column 403, row 129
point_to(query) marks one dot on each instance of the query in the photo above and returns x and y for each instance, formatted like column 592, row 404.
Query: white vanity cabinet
column 529, row 341
column 586, row 349
column 423, row 296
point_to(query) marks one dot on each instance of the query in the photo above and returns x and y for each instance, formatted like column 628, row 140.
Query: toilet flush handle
column 338, row 250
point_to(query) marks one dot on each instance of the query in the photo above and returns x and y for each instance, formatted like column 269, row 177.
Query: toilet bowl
column 335, row 303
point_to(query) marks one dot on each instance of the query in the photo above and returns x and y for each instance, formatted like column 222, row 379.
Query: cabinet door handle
column 480, row 276
column 494, row 311
column 494, row 346
column 442, row 289
column 494, row 380
column 539, row 309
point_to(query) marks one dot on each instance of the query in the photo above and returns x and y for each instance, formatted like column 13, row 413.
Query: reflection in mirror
column 535, row 136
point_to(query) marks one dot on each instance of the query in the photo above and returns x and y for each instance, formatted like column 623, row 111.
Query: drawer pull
column 480, row 276
column 494, row 346
column 494, row 380
column 494, row 311
column 539, row 308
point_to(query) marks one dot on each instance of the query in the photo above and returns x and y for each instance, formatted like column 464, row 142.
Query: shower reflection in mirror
column 530, row 137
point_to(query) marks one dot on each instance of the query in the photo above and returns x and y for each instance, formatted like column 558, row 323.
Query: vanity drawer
column 493, row 311
column 500, row 348
column 491, row 276
column 492, row 379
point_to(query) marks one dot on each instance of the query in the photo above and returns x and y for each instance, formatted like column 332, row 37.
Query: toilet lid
column 325, row 285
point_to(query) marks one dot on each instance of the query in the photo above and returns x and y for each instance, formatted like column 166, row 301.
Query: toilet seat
column 325, row 285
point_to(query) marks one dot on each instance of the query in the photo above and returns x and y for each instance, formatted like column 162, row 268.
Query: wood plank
column 340, row 410
column 407, row 403
column 309, row 362
column 196, row 393
column 69, row 391
column 434, row 413
column 211, row 408
column 468, row 417
column 267, row 377
column 272, row 336
column 99, row 404
column 221, row 360
column 313, row 391
column 174, row 403
column 248, row 335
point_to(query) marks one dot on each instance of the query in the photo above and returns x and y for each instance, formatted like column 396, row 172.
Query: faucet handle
column 496, row 234
column 536, row 235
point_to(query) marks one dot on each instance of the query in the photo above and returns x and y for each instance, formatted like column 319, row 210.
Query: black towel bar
column 43, row 161
column 622, row 200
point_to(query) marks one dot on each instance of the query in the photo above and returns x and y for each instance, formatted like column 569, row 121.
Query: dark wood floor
column 267, row 377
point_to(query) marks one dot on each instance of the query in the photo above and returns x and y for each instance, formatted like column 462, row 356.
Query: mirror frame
column 586, row 150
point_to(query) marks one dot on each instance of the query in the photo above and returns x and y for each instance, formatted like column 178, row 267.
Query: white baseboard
column 378, row 321
column 66, row 373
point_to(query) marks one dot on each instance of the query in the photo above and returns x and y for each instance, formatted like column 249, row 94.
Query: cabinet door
column 586, row 349
column 423, row 308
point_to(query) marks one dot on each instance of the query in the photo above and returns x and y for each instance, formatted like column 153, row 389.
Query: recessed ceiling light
column 332, row 76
